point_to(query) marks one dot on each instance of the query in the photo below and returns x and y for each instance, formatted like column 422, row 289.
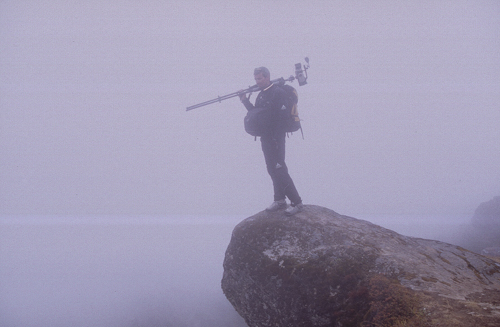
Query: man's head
column 262, row 77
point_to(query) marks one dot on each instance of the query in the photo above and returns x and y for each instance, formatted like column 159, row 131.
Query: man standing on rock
column 272, row 97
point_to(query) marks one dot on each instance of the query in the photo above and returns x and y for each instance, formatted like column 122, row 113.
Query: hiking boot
column 277, row 205
column 292, row 210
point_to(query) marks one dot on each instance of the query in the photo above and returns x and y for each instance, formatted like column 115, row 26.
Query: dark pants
column 274, row 154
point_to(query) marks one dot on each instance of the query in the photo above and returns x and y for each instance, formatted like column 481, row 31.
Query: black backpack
column 260, row 121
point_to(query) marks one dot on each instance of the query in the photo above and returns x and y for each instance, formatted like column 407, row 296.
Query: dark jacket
column 272, row 98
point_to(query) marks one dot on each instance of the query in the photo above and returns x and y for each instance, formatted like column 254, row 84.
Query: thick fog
column 400, row 115
column 114, row 272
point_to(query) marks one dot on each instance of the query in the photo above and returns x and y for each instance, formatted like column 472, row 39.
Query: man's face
column 262, row 82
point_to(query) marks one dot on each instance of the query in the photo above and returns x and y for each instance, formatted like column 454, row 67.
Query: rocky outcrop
column 488, row 213
column 484, row 230
column 319, row 268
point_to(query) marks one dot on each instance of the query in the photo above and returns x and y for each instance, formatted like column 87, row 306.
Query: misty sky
column 401, row 113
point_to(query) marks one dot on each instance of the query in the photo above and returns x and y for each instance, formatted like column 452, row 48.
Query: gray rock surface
column 319, row 268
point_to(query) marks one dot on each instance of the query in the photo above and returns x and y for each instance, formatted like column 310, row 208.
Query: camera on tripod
column 301, row 74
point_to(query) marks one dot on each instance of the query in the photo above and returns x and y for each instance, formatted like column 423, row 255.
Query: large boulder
column 319, row 268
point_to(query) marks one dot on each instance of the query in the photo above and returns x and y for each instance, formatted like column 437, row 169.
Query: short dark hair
column 263, row 70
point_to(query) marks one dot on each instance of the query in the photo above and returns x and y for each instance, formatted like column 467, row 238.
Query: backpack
column 289, row 117
column 261, row 121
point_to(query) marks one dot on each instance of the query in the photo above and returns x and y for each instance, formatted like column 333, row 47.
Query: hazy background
column 401, row 113
column 401, row 119
column 114, row 272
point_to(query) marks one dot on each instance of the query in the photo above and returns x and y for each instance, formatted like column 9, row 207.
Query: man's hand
column 242, row 95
